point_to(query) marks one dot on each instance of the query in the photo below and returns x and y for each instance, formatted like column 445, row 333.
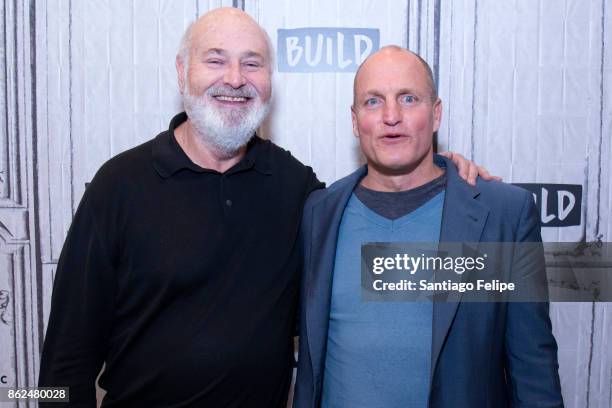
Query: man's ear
column 180, row 71
column 437, row 114
column 354, row 119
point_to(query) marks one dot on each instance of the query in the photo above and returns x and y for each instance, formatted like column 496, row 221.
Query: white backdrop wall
column 526, row 87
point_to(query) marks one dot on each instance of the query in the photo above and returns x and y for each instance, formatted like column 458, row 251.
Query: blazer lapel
column 326, row 216
column 463, row 220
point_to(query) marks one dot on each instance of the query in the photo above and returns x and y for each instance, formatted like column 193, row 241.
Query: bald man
column 180, row 269
column 355, row 353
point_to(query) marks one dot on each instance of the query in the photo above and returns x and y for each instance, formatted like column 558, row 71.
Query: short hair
column 185, row 46
column 431, row 83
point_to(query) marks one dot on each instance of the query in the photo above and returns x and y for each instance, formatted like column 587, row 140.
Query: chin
column 400, row 166
column 392, row 169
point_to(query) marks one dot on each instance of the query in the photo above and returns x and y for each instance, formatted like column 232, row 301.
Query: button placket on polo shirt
column 226, row 200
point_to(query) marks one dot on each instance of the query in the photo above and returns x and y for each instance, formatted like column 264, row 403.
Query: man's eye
column 252, row 64
column 371, row 102
column 408, row 99
column 214, row 62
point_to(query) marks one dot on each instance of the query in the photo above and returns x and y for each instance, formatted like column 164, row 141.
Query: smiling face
column 394, row 116
column 226, row 79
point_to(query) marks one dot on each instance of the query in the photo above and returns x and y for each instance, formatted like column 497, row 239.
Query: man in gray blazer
column 413, row 354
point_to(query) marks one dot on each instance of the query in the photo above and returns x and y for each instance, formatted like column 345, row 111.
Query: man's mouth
column 394, row 136
column 225, row 98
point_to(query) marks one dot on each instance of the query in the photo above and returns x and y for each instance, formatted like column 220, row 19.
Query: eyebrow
column 246, row 54
column 374, row 92
column 214, row 51
column 252, row 54
column 369, row 93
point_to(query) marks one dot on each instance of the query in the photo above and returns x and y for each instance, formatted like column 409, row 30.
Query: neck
column 203, row 154
column 389, row 182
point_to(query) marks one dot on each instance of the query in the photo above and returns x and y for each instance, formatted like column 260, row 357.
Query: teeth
column 231, row 98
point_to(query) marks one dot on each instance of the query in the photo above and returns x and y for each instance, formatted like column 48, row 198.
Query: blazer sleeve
column 303, row 395
column 531, row 349
column 312, row 185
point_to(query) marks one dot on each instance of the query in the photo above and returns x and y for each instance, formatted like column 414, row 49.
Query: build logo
column 325, row 49
column 559, row 205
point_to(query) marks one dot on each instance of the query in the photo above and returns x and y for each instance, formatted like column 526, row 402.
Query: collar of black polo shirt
column 169, row 157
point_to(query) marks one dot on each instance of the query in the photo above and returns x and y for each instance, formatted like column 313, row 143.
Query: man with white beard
column 180, row 269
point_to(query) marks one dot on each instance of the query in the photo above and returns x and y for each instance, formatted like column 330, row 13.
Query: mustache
column 246, row 91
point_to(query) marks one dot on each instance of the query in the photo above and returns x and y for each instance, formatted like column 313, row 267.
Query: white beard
column 225, row 130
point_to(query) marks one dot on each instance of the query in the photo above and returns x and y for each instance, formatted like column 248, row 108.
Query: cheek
column 421, row 123
column 262, row 82
column 367, row 126
column 367, row 137
column 200, row 80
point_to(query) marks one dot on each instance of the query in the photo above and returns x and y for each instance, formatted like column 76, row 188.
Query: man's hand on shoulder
column 468, row 170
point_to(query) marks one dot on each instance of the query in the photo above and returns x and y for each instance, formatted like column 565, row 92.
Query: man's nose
column 233, row 76
column 391, row 114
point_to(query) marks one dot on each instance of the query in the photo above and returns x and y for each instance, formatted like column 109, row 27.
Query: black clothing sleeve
column 81, row 308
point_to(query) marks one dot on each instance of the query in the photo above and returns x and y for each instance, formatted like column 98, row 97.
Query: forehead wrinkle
column 200, row 48
column 218, row 20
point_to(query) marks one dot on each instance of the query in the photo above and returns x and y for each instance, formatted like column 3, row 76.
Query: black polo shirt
column 182, row 280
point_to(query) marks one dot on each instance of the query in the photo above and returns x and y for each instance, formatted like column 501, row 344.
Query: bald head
column 217, row 21
column 395, row 54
